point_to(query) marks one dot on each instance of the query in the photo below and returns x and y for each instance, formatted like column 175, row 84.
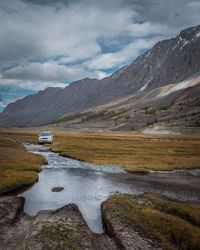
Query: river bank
column 88, row 185
column 136, row 153
column 18, row 168
column 131, row 222
column 64, row 228
column 151, row 221
column 96, row 216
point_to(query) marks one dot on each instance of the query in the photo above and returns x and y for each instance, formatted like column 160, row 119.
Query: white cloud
column 38, row 76
column 110, row 60
column 33, row 32
column 2, row 105
column 39, row 42
column 46, row 72
column 100, row 74
column 148, row 28
column 30, row 85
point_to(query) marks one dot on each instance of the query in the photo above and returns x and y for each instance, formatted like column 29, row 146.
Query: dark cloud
column 48, row 2
column 175, row 13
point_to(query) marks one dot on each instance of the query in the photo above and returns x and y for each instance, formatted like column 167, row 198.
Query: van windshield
column 45, row 134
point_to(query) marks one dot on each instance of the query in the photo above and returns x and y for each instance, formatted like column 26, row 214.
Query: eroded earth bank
column 145, row 221
column 64, row 228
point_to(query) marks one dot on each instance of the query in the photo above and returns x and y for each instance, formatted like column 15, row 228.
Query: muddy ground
column 65, row 228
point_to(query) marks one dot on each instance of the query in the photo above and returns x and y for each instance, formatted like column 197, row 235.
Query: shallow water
column 88, row 185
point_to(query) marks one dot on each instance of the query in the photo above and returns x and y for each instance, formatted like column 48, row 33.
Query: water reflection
column 88, row 185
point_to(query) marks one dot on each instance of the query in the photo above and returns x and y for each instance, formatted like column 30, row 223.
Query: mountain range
column 162, row 86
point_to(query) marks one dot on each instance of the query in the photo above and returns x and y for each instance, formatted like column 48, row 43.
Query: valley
column 136, row 153
column 123, row 170
column 34, row 215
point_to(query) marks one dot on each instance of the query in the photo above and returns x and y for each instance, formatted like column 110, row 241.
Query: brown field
column 174, row 224
column 136, row 153
column 17, row 167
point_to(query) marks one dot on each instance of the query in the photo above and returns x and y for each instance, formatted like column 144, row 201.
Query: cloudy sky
column 55, row 42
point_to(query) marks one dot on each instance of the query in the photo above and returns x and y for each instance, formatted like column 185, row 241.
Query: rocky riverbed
column 126, row 218
column 64, row 228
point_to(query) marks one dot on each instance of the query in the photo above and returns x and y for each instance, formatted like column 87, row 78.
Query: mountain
column 167, row 62
column 170, row 68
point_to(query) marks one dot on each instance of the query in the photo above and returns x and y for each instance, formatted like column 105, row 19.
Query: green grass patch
column 36, row 168
column 138, row 170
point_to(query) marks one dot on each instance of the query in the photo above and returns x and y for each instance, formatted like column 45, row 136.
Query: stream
column 88, row 185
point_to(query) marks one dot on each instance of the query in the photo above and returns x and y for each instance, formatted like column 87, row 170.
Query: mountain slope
column 168, row 62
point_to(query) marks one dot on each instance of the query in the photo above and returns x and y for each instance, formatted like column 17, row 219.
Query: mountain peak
column 190, row 33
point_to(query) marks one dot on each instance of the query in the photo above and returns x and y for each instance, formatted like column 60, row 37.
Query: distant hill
column 147, row 91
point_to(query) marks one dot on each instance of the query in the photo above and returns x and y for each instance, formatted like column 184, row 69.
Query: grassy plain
column 17, row 167
column 136, row 153
column 173, row 223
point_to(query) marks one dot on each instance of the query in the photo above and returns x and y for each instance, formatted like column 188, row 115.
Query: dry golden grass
column 137, row 153
column 17, row 166
column 189, row 213
column 146, row 215
column 12, row 179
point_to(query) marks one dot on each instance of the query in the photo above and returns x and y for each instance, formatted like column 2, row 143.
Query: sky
column 51, row 43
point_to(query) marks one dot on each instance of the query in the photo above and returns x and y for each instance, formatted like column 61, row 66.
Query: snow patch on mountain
column 198, row 34
column 144, row 87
